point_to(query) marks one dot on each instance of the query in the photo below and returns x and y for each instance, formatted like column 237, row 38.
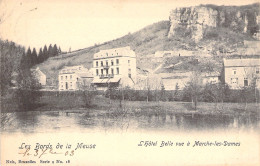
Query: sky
column 77, row 24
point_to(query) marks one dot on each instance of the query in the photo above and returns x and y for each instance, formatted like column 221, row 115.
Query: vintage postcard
column 120, row 82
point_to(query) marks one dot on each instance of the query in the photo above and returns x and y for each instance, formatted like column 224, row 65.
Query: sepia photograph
column 128, row 82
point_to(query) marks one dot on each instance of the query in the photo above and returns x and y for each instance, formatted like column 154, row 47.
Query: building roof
column 37, row 71
column 85, row 75
column 73, row 69
column 211, row 74
column 241, row 62
column 122, row 51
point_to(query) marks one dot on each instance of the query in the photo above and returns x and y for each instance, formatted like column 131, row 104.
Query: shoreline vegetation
column 102, row 104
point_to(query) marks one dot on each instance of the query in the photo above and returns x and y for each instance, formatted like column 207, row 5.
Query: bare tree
column 194, row 87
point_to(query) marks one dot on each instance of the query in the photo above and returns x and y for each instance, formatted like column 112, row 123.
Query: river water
column 93, row 120
column 117, row 135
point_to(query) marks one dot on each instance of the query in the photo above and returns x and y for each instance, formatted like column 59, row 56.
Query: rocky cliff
column 194, row 20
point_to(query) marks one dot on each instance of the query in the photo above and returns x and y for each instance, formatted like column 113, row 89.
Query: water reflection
column 30, row 122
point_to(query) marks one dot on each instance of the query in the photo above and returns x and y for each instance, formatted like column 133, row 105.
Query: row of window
column 111, row 63
column 106, row 71
column 66, row 77
column 66, row 85
column 234, row 81
column 107, row 54
column 234, row 72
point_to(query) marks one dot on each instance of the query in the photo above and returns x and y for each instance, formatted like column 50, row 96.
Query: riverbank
column 100, row 103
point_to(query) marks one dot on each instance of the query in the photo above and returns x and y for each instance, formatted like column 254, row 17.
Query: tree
column 193, row 89
column 55, row 50
column 45, row 53
column 50, row 51
column 176, row 92
column 27, row 93
column 59, row 50
column 40, row 58
column 162, row 93
column 10, row 56
column 148, row 94
column 88, row 94
column 28, row 58
column 34, row 57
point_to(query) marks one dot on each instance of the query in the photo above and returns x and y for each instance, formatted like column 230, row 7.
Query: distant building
column 73, row 77
column 40, row 76
column 241, row 73
column 210, row 78
column 170, row 81
column 114, row 67
column 175, row 84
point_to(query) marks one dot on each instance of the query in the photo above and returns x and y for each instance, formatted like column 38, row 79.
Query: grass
column 100, row 103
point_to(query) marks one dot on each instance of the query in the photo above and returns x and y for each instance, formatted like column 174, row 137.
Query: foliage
column 27, row 92
column 32, row 58
column 10, row 55
column 88, row 96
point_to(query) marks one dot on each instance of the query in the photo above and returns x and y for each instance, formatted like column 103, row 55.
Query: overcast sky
column 79, row 24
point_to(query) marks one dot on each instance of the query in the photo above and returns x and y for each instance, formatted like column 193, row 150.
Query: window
column 96, row 63
column 245, row 82
column 61, row 77
column 128, row 61
column 66, row 77
column 117, row 70
column 129, row 73
column 117, row 61
column 234, row 80
column 234, row 71
column 112, row 62
column 71, row 77
column 106, row 63
column 257, row 71
column 97, row 72
column 102, row 71
column 101, row 63
column 71, row 84
column 112, row 71
column 107, row 54
column 106, row 71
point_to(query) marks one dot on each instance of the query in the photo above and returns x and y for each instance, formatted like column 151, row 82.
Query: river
column 95, row 120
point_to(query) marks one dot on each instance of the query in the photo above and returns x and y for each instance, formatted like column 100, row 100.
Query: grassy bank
column 178, row 107
column 100, row 103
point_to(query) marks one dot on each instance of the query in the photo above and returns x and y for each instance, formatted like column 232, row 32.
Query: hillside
column 147, row 41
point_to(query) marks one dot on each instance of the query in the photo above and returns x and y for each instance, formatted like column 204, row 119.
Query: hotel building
column 114, row 67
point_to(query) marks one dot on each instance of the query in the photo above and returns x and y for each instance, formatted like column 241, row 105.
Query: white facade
column 40, row 76
column 211, row 78
column 241, row 73
column 71, row 78
column 115, row 67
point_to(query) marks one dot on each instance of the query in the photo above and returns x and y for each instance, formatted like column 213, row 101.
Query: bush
column 88, row 96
